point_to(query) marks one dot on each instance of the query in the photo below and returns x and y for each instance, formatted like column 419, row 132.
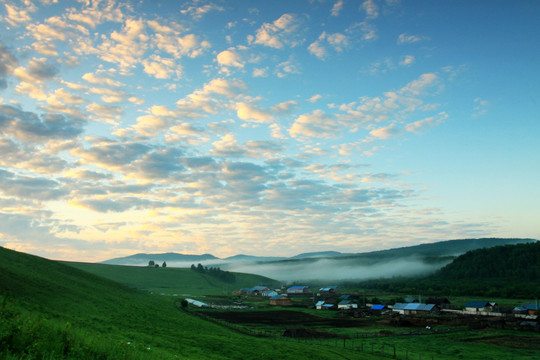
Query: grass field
column 50, row 310
column 172, row 281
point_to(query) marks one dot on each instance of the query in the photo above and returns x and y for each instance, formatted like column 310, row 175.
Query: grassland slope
column 171, row 281
column 49, row 310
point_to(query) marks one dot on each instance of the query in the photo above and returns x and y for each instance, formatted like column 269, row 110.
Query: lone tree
column 151, row 263
column 164, row 264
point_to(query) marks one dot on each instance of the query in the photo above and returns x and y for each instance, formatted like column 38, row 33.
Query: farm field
column 378, row 335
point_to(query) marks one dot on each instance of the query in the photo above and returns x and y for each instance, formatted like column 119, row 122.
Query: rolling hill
column 51, row 310
column 506, row 271
column 173, row 281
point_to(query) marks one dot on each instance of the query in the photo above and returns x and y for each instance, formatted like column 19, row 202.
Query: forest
column 511, row 271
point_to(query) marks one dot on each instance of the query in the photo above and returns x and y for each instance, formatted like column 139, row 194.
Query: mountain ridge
column 440, row 249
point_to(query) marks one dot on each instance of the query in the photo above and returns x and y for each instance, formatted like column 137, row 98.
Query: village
column 438, row 310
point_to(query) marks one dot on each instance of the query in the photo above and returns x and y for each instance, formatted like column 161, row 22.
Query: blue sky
column 266, row 128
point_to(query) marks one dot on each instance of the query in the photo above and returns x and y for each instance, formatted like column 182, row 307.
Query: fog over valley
column 334, row 270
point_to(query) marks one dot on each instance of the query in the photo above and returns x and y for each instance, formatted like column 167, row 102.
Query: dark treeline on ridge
column 511, row 271
column 225, row 276
column 520, row 261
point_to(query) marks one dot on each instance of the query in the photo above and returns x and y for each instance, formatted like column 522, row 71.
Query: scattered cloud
column 337, row 7
column 405, row 38
column 282, row 32
column 316, row 125
column 371, row 9
column 407, row 60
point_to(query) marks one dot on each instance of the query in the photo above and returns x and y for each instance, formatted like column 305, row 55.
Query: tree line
column 223, row 275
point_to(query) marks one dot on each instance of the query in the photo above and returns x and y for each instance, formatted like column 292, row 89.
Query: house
column 328, row 306
column 414, row 308
column 280, row 300
column 328, row 290
column 347, row 304
column 269, row 293
column 532, row 308
column 378, row 308
column 399, row 308
column 319, row 305
column 441, row 302
column 258, row 290
column 196, row 303
column 298, row 290
column 480, row 306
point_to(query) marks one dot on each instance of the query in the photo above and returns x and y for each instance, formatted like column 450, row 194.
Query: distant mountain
column 242, row 257
column 450, row 247
column 143, row 259
column 333, row 266
column 317, row 254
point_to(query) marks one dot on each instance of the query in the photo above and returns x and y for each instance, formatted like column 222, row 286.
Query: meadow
column 51, row 310
column 173, row 281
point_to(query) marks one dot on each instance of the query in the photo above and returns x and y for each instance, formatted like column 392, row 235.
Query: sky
column 267, row 128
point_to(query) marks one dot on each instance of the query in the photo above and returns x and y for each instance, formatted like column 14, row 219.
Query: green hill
column 519, row 262
column 507, row 271
column 170, row 281
column 49, row 310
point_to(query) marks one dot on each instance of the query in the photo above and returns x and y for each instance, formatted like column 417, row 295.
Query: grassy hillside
column 509, row 271
column 50, row 310
column 170, row 281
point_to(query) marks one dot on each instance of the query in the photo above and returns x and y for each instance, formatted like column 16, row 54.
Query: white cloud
column 317, row 49
column 230, row 58
column 371, row 9
column 279, row 33
column 252, row 113
column 197, row 12
column 336, row 8
column 316, row 125
column 409, row 39
column 284, row 107
column 386, row 132
column 17, row 16
column 162, row 68
column 431, row 121
column 407, row 60
column 315, row 98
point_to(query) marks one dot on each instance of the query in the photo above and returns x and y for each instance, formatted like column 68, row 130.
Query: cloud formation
column 199, row 127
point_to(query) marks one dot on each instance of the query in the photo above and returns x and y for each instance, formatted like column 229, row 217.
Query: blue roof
column 412, row 306
column 298, row 287
column 345, row 302
column 319, row 303
column 278, row 297
column 259, row 288
column 477, row 304
column 378, row 307
column 532, row 306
